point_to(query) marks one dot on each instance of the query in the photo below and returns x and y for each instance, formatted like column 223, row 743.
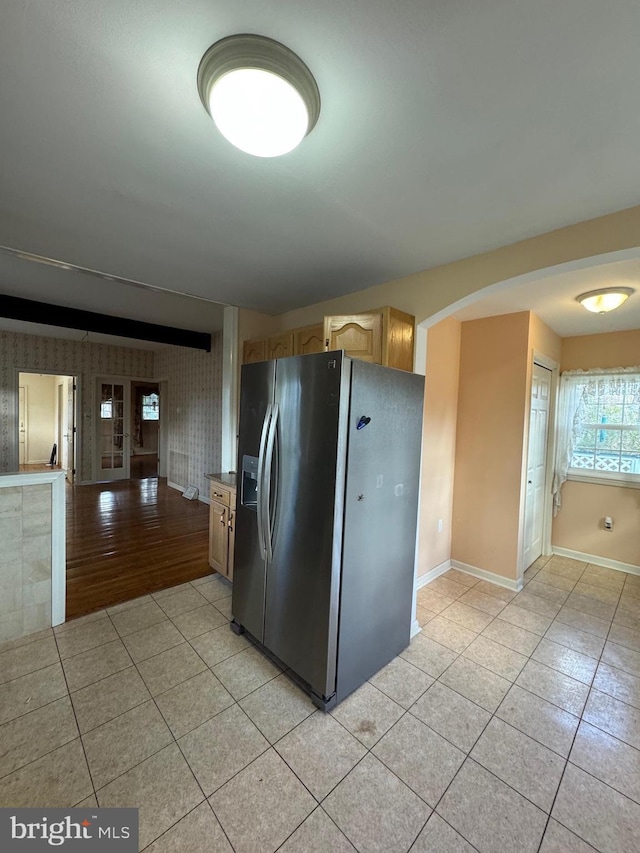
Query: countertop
column 228, row 479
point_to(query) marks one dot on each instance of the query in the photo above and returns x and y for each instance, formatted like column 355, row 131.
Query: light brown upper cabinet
column 254, row 351
column 359, row 335
column 383, row 336
column 308, row 339
column 280, row 346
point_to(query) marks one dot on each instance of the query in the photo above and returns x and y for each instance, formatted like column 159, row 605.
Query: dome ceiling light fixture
column 261, row 96
column 606, row 299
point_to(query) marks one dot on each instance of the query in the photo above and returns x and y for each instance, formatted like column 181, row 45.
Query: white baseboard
column 605, row 562
column 432, row 574
column 500, row 580
column 423, row 580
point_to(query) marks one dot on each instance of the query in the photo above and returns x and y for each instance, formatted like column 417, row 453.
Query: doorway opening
column 46, row 422
column 145, row 423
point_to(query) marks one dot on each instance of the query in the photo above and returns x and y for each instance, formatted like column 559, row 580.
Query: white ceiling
column 553, row 299
column 447, row 128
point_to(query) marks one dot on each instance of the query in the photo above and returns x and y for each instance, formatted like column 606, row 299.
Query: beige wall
column 543, row 340
column 430, row 291
column 477, row 395
column 252, row 325
column 578, row 525
column 439, row 443
column 492, row 399
column 612, row 349
column 41, row 415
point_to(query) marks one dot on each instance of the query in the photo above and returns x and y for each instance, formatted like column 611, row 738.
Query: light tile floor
column 511, row 724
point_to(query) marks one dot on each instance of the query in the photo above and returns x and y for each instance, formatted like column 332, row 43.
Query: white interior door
column 536, row 464
column 113, row 444
column 61, row 431
column 71, row 431
column 22, row 425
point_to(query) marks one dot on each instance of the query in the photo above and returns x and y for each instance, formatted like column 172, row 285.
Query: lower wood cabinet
column 222, row 517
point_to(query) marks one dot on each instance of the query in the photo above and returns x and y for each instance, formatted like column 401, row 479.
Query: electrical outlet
column 440, row 525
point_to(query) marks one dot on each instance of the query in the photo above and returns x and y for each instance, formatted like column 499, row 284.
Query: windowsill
column 604, row 481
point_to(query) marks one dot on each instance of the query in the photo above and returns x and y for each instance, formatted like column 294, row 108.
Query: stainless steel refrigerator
column 328, row 474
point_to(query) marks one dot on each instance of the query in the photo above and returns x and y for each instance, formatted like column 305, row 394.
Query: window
column 605, row 440
column 150, row 407
column 106, row 409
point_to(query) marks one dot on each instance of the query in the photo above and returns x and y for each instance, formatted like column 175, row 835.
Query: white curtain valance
column 601, row 371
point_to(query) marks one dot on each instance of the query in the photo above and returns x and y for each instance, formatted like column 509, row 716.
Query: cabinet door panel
column 254, row 351
column 359, row 335
column 231, row 542
column 397, row 346
column 280, row 346
column 308, row 340
column 218, row 537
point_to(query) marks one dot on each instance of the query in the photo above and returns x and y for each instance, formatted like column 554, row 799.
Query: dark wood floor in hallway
column 130, row 538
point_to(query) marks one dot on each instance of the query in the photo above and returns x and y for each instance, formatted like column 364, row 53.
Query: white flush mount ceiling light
column 261, row 96
column 601, row 301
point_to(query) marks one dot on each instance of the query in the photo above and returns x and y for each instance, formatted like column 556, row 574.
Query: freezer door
column 303, row 574
column 257, row 385
column 381, row 508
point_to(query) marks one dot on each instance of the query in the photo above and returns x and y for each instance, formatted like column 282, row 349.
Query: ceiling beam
column 15, row 308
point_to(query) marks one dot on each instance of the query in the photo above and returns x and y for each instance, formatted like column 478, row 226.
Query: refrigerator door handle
column 261, row 482
column 267, row 478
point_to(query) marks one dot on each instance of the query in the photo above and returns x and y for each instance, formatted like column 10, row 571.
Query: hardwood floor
column 130, row 538
column 38, row 466
column 143, row 466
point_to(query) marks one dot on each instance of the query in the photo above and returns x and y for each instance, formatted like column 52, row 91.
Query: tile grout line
column 405, row 711
column 318, row 806
column 84, row 752
column 468, row 757
column 156, row 752
column 197, row 781
column 566, row 760
column 235, row 702
column 575, row 735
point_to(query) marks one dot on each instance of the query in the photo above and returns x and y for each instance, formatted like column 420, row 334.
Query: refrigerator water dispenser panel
column 249, row 483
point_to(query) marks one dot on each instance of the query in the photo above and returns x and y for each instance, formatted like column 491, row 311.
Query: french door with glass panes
column 113, row 430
